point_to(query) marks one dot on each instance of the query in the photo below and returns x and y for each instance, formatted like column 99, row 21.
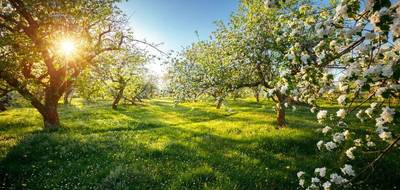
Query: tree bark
column 67, row 95
column 280, row 117
column 219, row 102
column 118, row 98
column 257, row 95
column 50, row 116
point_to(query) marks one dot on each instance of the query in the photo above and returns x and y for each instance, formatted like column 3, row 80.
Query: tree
column 363, row 41
column 32, row 33
column 121, row 72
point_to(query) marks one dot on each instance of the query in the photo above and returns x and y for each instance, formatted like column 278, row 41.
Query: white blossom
column 315, row 180
column 330, row 145
column 327, row 185
column 322, row 114
column 337, row 179
column 387, row 114
column 348, row 170
column 326, row 129
column 387, row 70
column 385, row 135
column 341, row 113
column 342, row 99
column 301, row 182
column 300, row 174
column 338, row 137
column 320, row 171
column 319, row 144
column 349, row 152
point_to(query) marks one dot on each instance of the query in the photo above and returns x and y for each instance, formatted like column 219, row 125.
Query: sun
column 67, row 47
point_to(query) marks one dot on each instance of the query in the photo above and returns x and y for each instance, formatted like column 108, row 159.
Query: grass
column 161, row 146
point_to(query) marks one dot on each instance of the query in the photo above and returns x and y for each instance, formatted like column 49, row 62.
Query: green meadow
column 159, row 145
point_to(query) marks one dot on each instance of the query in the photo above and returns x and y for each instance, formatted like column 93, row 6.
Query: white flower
column 284, row 89
column 385, row 135
column 320, row 171
column 341, row 113
column 327, row 185
column 387, row 114
column 373, row 105
column 380, row 91
column 348, row 170
column 346, row 134
column 322, row 114
column 330, row 145
column 341, row 11
column 326, row 129
column 357, row 142
column 342, row 99
column 286, row 104
column 301, row 182
column 319, row 144
column 338, row 137
column 387, row 70
column 315, row 180
column 300, row 174
column 349, row 152
column 337, row 179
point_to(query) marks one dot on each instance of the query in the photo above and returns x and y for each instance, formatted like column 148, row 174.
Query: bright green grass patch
column 161, row 146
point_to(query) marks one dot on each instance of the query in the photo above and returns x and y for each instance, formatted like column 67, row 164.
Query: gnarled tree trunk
column 117, row 98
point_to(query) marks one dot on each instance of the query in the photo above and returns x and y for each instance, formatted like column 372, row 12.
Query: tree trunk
column 50, row 117
column 117, row 98
column 219, row 102
column 280, row 117
column 67, row 95
column 257, row 95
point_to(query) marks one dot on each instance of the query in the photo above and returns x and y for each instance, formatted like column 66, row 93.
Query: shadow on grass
column 188, row 160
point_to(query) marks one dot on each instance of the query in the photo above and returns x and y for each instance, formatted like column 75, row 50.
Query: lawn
column 161, row 146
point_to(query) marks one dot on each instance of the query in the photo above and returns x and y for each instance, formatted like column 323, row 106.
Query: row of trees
column 104, row 57
column 290, row 48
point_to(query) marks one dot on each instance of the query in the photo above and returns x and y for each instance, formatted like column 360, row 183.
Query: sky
column 174, row 22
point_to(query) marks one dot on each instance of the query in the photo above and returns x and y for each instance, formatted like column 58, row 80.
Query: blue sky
column 174, row 22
